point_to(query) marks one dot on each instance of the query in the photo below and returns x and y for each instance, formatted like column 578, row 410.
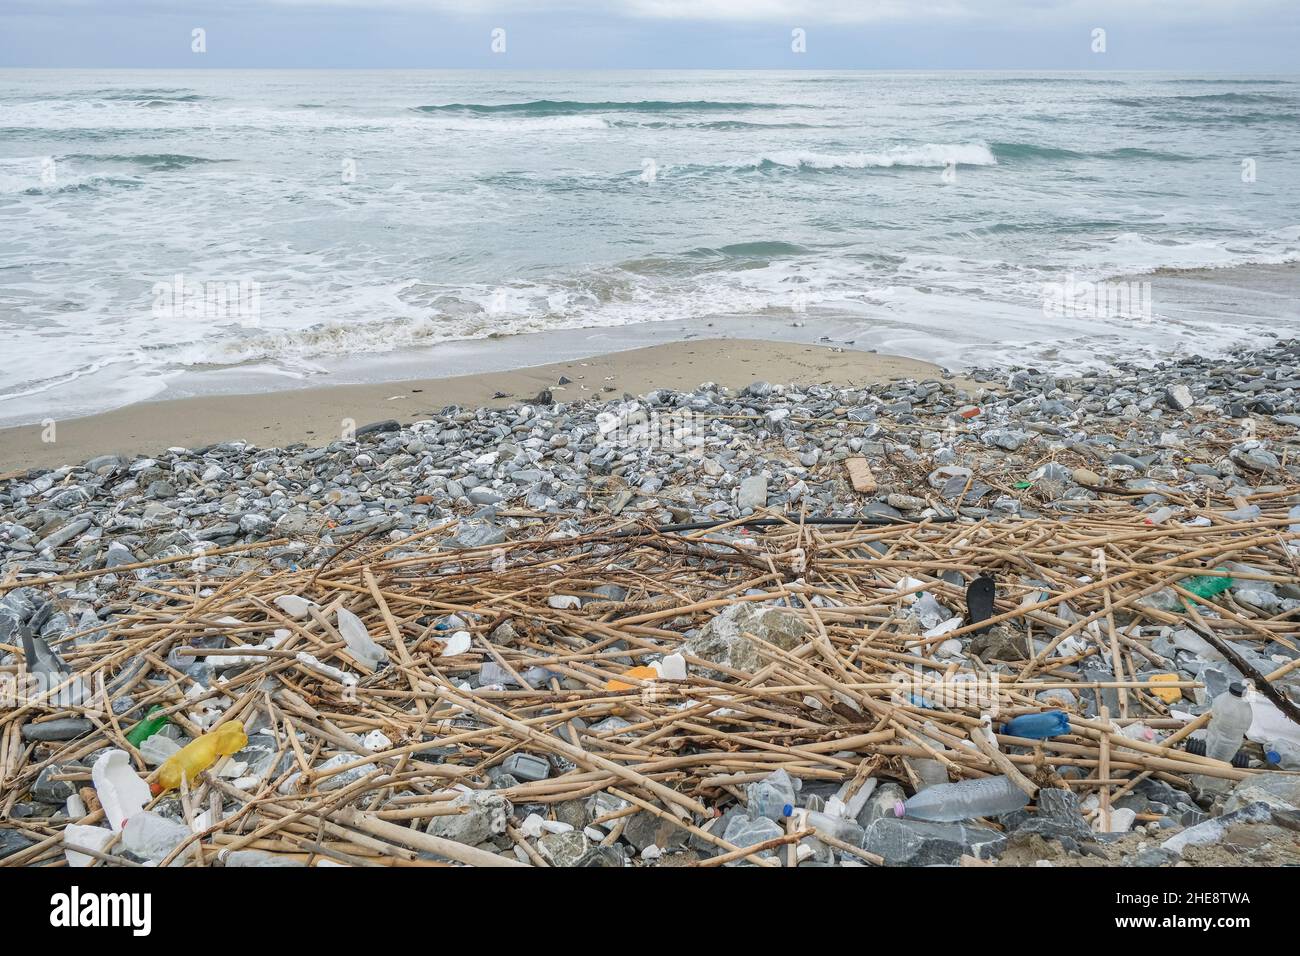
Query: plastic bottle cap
column 900, row 808
column 787, row 810
column 1236, row 688
column 1272, row 756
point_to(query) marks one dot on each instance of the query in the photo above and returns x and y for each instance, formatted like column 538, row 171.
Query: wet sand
column 317, row 416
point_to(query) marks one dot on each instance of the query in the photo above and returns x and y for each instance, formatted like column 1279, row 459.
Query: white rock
column 671, row 667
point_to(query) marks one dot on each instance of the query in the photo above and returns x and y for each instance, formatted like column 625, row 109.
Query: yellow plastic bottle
column 200, row 754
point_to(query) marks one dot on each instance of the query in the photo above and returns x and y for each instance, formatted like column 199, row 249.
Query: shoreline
column 315, row 414
column 499, row 551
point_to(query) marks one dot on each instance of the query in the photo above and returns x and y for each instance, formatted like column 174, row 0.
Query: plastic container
column 1139, row 732
column 119, row 788
column 1050, row 723
column 836, row 827
column 929, row 772
column 1207, row 586
column 772, row 797
column 950, row 802
column 1283, row 754
column 1196, row 745
column 200, row 754
column 526, row 767
column 1228, row 725
column 147, row 727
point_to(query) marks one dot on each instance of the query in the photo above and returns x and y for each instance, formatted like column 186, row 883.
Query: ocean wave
column 22, row 175
column 724, row 125
column 154, row 161
column 573, row 107
column 1208, row 98
column 176, row 94
column 515, row 124
column 1031, row 151
column 1235, row 98
column 1193, row 120
column 90, row 184
column 931, row 154
column 1225, row 81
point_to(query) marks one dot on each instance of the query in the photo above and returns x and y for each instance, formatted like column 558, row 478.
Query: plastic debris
column 200, row 754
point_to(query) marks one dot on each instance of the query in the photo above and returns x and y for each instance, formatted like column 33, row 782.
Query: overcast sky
column 1188, row 35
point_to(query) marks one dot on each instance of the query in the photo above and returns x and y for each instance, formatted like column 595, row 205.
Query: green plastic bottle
column 147, row 727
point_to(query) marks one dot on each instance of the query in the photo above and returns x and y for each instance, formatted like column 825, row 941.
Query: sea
column 166, row 233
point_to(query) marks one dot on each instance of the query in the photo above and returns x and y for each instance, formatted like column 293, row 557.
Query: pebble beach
column 1198, row 454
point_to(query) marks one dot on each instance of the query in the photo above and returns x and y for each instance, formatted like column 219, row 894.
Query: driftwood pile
column 849, row 701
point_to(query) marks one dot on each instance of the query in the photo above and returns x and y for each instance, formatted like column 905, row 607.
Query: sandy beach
column 315, row 415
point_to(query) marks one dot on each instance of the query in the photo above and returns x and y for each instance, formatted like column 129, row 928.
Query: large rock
column 47, row 790
column 1279, row 790
column 475, row 534
column 646, row 829
column 13, row 841
column 606, row 856
column 1212, row 831
column 563, row 849
column 1058, row 817
column 922, row 843
column 726, row 639
column 999, row 643
column 488, row 813
column 752, row 493
column 1179, row 397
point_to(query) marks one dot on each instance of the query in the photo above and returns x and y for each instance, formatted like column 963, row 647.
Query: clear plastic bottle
column 929, row 772
column 1284, row 754
column 772, row 797
column 846, row 830
column 1229, row 723
column 1139, row 732
column 949, row 802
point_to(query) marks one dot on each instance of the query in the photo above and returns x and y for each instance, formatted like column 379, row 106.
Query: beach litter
column 728, row 670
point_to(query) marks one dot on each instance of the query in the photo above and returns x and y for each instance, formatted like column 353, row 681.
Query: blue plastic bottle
column 1050, row 723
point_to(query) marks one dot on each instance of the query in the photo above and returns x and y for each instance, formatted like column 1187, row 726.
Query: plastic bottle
column 771, row 797
column 1138, row 731
column 836, row 827
column 949, row 802
column 147, row 727
column 1229, row 723
column 1284, row 754
column 929, row 772
column 200, row 754
column 1049, row 723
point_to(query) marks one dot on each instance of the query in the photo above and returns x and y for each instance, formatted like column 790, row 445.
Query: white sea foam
column 465, row 223
column 930, row 154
